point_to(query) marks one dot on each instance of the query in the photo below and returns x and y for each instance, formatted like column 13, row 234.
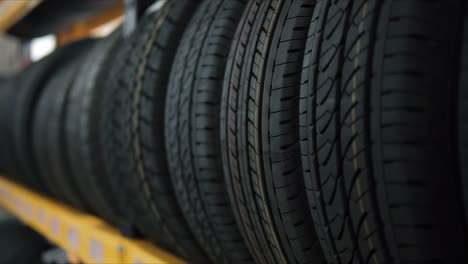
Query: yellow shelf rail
column 12, row 11
column 89, row 27
column 85, row 238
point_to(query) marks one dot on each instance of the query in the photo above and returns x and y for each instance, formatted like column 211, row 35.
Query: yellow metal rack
column 84, row 237
column 12, row 11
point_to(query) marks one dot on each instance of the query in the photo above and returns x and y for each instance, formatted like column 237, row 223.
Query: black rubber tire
column 39, row 144
column 48, row 140
column 133, row 130
column 378, row 118
column 463, row 115
column 5, row 91
column 192, row 130
column 83, row 134
column 260, row 132
column 56, row 137
column 8, row 94
column 30, row 85
column 20, row 244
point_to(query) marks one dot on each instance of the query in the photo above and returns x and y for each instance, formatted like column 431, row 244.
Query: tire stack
column 259, row 131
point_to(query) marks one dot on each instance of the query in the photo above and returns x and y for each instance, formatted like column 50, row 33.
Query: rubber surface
column 133, row 130
column 30, row 85
column 260, row 135
column 192, row 130
column 463, row 114
column 378, row 117
column 56, row 138
column 82, row 132
column 4, row 94
column 40, row 146
column 49, row 137
column 8, row 93
column 20, row 244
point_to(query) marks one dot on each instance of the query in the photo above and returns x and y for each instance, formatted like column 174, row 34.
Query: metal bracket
column 131, row 17
column 135, row 10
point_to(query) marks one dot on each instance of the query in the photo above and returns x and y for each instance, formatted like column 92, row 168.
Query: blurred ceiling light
column 41, row 47
column 156, row 6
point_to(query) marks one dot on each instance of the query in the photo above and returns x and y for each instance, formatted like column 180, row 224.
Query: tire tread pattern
column 192, row 130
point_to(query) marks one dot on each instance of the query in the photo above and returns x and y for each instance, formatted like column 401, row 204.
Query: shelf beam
column 84, row 237
column 87, row 28
column 13, row 11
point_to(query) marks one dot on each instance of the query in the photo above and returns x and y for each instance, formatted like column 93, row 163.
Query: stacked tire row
column 259, row 131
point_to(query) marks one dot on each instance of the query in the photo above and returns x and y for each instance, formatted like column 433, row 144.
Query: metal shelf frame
column 13, row 11
column 85, row 238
